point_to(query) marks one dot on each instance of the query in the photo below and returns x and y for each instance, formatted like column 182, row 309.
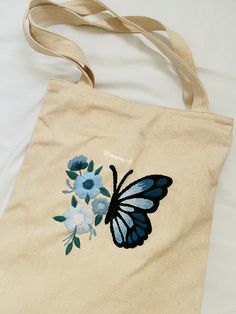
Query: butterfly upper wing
column 130, row 224
column 145, row 193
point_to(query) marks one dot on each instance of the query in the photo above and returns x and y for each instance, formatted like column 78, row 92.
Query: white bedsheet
column 127, row 67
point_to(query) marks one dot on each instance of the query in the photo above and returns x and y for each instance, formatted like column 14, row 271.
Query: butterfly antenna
column 115, row 176
column 123, row 179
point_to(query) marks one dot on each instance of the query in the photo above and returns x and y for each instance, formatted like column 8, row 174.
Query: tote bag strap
column 114, row 24
column 85, row 8
column 74, row 12
column 111, row 24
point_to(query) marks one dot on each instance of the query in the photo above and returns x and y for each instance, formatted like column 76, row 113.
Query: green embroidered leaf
column 74, row 201
column 72, row 175
column 105, row 192
column 84, row 166
column 98, row 170
column 69, row 248
column 98, row 219
column 59, row 218
column 87, row 198
column 77, row 242
column 91, row 166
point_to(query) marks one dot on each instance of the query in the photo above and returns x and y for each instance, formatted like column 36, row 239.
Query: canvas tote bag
column 112, row 209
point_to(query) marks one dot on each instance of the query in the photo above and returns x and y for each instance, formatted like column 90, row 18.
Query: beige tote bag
column 112, row 209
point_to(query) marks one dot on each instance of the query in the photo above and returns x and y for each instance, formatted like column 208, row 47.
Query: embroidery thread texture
column 126, row 212
column 86, row 185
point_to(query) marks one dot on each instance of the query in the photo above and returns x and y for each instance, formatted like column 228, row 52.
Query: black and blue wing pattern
column 127, row 214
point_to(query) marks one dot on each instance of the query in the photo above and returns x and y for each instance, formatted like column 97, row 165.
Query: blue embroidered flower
column 78, row 163
column 100, row 206
column 78, row 218
column 88, row 185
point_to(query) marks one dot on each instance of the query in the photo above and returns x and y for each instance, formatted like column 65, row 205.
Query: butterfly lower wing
column 130, row 229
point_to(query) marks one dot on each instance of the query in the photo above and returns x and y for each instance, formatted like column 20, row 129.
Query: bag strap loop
column 74, row 13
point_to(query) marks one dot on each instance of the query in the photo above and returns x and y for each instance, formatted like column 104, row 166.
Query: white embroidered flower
column 78, row 217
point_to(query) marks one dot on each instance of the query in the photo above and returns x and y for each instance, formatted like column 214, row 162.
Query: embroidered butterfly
column 128, row 209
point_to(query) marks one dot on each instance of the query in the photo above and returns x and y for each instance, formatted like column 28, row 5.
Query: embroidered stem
column 92, row 232
column 70, row 238
column 74, row 233
column 68, row 241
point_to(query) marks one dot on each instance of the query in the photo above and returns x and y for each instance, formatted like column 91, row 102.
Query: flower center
column 101, row 206
column 78, row 219
column 88, row 184
column 78, row 164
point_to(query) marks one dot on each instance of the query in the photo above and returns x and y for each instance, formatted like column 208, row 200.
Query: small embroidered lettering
column 116, row 157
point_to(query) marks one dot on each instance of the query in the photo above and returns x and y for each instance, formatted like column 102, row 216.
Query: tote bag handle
column 85, row 8
column 74, row 12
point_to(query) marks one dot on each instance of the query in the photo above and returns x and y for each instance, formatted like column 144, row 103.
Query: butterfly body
column 112, row 210
column 128, row 209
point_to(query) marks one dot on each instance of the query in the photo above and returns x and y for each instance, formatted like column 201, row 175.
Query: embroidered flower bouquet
column 87, row 206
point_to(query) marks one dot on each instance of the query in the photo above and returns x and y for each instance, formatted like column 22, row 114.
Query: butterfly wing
column 130, row 224
column 130, row 229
